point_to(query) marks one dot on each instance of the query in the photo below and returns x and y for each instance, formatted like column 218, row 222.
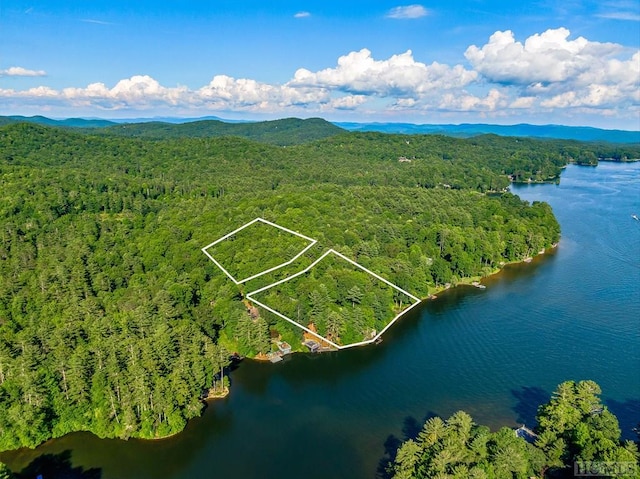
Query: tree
column 354, row 295
column 334, row 324
column 574, row 425
column 5, row 472
column 457, row 448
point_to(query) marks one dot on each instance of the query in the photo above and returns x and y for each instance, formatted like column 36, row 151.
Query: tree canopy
column 573, row 426
column 112, row 320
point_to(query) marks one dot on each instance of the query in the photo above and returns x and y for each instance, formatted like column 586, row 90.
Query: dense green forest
column 112, row 320
column 256, row 248
column 338, row 300
column 573, row 427
column 288, row 131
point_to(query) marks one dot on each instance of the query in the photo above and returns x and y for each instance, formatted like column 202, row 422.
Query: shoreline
column 472, row 281
column 206, row 400
column 210, row 398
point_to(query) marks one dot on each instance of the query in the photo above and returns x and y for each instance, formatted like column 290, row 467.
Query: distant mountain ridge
column 288, row 131
column 68, row 122
column 291, row 131
column 466, row 130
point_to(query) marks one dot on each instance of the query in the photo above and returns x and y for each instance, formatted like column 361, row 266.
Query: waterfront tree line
column 575, row 433
column 112, row 320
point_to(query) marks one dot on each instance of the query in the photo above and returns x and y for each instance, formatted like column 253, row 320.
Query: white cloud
column 349, row 102
column 546, row 57
column 96, row 22
column 22, row 72
column 627, row 10
column 466, row 102
column 523, row 102
column 302, row 15
column 628, row 16
column 224, row 92
column 558, row 72
column 407, row 12
column 546, row 74
column 399, row 76
column 597, row 96
column 37, row 93
column 140, row 91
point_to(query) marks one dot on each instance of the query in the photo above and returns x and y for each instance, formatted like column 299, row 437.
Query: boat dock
column 527, row 434
column 274, row 357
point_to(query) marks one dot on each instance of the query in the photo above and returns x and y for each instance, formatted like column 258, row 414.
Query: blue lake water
column 573, row 313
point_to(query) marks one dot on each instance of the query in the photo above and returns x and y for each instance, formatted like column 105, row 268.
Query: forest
column 112, row 320
column 575, row 430
column 340, row 301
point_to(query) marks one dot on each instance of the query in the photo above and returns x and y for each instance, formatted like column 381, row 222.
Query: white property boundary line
column 307, row 269
column 204, row 250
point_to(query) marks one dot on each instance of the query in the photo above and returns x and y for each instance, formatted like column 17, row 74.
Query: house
column 284, row 347
column 313, row 346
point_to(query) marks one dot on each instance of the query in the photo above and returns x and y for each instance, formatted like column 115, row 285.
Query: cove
column 496, row 353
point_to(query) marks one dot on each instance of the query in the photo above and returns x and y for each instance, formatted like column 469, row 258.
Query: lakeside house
column 284, row 347
column 313, row 346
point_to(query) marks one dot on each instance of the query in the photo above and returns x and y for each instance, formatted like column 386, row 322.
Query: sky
column 571, row 62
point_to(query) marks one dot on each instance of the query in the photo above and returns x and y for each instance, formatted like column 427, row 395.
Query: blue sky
column 573, row 62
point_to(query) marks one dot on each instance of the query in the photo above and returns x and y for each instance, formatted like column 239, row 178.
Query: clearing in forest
column 336, row 300
column 256, row 248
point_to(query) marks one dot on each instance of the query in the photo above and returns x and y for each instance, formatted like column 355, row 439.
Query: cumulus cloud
column 466, row 102
column 560, row 72
column 22, row 72
column 407, row 12
column 302, row 15
column 399, row 76
column 547, row 72
column 546, row 57
column 349, row 102
column 523, row 102
column 140, row 91
column 224, row 92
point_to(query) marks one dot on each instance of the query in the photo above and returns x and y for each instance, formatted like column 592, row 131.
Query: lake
column 573, row 313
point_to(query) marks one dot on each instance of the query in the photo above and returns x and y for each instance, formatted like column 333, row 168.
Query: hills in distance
column 66, row 123
column 466, row 130
column 292, row 131
column 288, row 131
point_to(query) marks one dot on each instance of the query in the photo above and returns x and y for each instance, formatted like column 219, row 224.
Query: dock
column 527, row 434
column 274, row 357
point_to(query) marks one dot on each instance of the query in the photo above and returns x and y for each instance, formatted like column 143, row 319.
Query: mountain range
column 291, row 131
